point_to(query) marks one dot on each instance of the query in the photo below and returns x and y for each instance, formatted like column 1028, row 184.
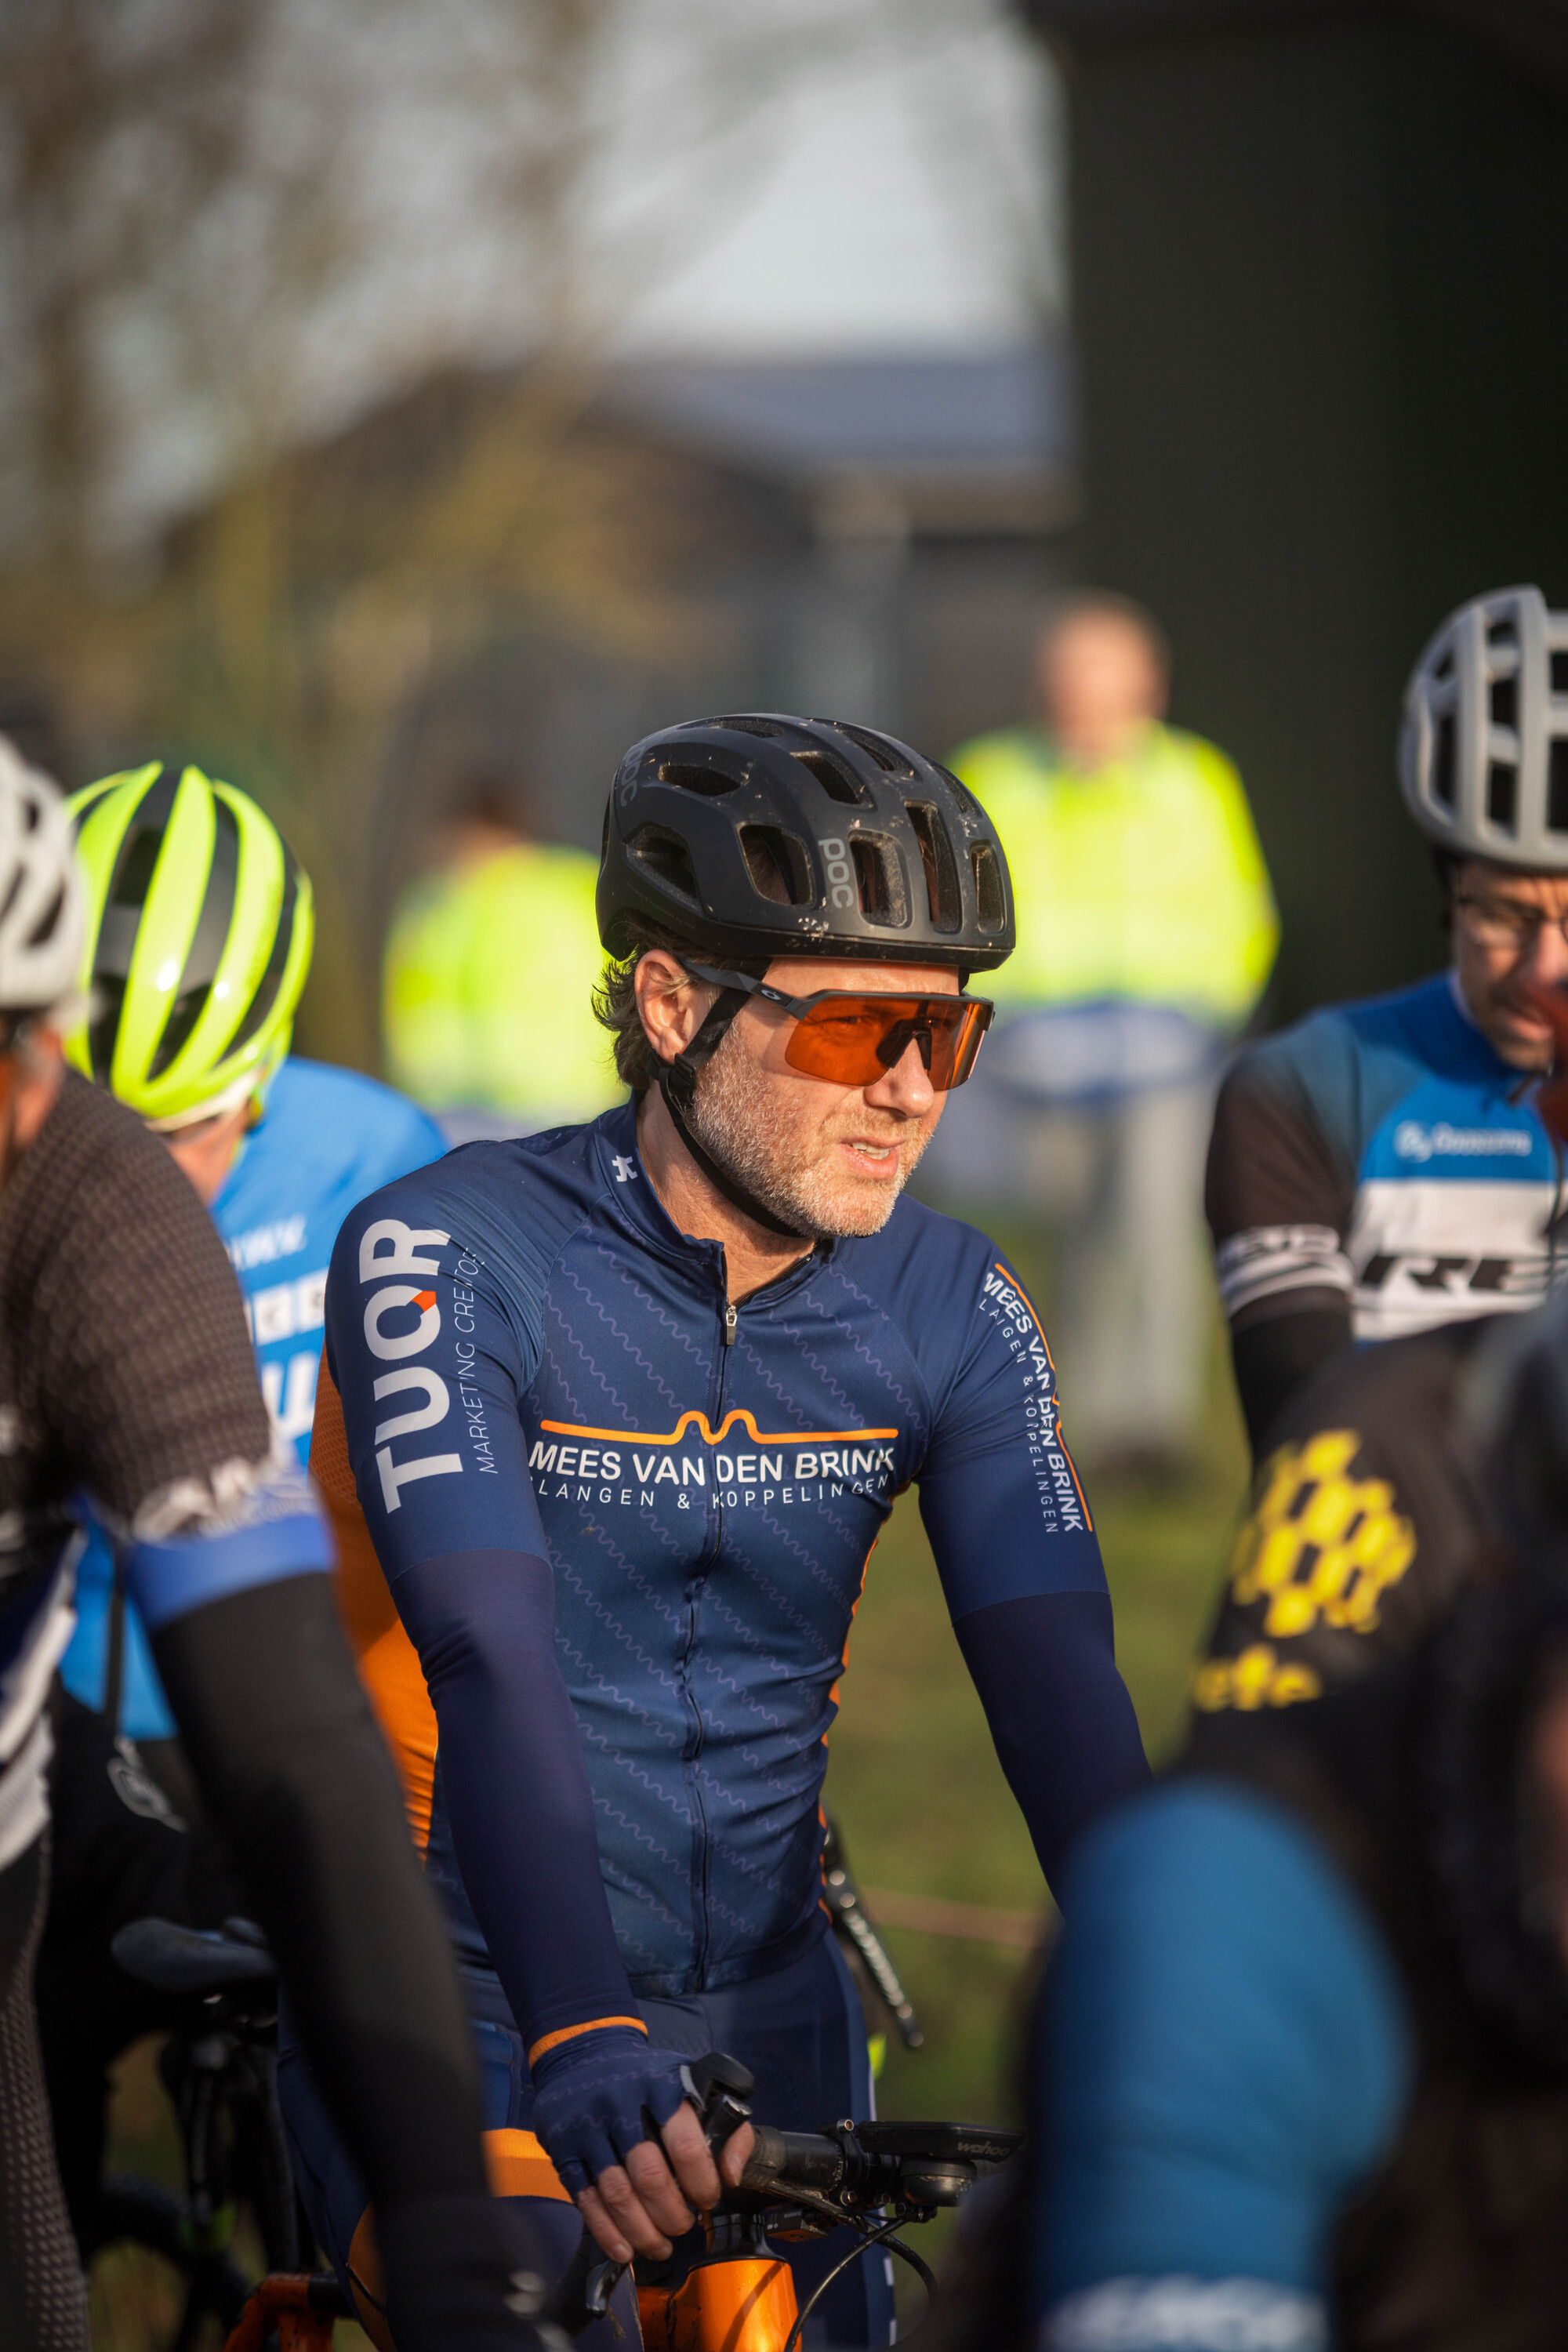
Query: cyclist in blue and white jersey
column 127, row 1384
column 610, row 1422
column 188, row 876
column 1380, row 1168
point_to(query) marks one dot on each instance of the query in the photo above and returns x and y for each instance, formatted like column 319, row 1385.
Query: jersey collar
column 631, row 1197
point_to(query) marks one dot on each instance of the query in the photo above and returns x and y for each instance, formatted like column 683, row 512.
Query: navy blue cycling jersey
column 1382, row 1160
column 544, row 1421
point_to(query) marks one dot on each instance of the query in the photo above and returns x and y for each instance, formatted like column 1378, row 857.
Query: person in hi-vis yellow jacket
column 500, row 928
column 1146, row 934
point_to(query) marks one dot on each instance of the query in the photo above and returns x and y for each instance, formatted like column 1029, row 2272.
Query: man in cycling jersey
column 610, row 1420
column 126, row 1374
column 186, row 874
column 1382, row 1168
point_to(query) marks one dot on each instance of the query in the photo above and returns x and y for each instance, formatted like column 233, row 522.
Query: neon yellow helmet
column 199, row 933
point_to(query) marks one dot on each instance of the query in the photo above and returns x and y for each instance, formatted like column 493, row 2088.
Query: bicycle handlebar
column 868, row 2177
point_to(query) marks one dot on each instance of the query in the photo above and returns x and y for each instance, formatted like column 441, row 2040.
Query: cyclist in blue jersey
column 610, row 1422
column 126, row 1381
column 187, row 875
column 279, row 1148
column 1382, row 1168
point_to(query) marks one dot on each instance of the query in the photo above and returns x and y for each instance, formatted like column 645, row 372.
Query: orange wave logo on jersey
column 716, row 1437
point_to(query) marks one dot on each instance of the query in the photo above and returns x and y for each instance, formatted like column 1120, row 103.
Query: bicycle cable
column 869, row 2239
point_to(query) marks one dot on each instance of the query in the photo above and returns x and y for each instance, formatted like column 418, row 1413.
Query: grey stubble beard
column 729, row 1116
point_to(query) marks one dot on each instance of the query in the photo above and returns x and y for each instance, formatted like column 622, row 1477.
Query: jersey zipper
column 729, row 1320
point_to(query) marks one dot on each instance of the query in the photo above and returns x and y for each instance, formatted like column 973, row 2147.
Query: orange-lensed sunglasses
column 854, row 1038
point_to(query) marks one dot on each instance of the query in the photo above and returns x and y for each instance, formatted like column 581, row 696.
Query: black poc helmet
column 766, row 836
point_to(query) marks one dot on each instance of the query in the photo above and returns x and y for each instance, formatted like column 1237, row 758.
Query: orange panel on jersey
column 388, row 1662
column 518, row 2167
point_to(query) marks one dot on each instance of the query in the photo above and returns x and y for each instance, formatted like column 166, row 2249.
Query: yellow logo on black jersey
column 1319, row 1545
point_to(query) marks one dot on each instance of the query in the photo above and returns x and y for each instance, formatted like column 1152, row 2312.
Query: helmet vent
column 692, row 777
column 1443, row 760
column 1559, row 673
column 1505, row 701
column 748, row 726
column 936, row 857
column 967, row 801
column 991, row 901
column 878, row 748
column 45, row 927
column 1501, row 633
column 836, row 782
column 1557, row 784
column 271, row 979
column 1502, row 794
column 879, row 872
column 778, row 865
column 668, row 859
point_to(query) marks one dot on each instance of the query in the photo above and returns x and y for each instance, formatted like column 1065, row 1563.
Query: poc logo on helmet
column 841, row 890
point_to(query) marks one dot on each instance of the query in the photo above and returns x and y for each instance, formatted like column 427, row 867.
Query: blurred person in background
column 197, row 915
column 1384, row 1167
column 1146, row 932
column 501, row 926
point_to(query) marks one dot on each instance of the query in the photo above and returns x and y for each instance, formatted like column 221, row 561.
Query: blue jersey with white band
column 329, row 1138
column 1383, row 1159
column 630, row 1547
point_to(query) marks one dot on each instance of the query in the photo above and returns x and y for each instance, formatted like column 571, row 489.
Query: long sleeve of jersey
column 430, row 1368
column 1021, row 1568
column 1279, row 1199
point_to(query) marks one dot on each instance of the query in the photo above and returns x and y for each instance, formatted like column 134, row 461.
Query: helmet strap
column 677, row 1084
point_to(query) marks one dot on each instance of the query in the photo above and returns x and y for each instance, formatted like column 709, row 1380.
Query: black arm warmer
column 291, row 1763
column 1275, row 1356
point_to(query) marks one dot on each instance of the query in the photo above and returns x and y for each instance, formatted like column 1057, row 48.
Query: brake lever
column 721, row 2088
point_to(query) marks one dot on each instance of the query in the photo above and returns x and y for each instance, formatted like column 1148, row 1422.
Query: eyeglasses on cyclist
column 853, row 1036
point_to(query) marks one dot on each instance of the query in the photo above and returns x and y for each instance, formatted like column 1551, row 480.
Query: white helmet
column 40, row 890
column 1483, row 750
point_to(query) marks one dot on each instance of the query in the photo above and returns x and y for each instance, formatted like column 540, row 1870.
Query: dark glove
column 463, row 2274
column 589, row 2094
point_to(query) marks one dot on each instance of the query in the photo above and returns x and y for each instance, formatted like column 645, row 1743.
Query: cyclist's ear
column 672, row 1006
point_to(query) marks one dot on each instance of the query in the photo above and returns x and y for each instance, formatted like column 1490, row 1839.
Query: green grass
column 921, row 1802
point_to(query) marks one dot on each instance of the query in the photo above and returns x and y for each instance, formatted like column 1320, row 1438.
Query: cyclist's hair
column 616, row 997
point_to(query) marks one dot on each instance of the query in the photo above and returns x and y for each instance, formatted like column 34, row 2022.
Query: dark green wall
column 1321, row 295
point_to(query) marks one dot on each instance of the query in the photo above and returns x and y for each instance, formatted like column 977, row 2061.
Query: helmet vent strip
column 943, row 896
column 667, row 858
column 692, row 778
column 1502, row 794
column 879, row 872
column 271, row 979
column 989, row 898
column 1443, row 760
column 836, row 781
column 1557, row 784
column 878, row 748
column 776, row 863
